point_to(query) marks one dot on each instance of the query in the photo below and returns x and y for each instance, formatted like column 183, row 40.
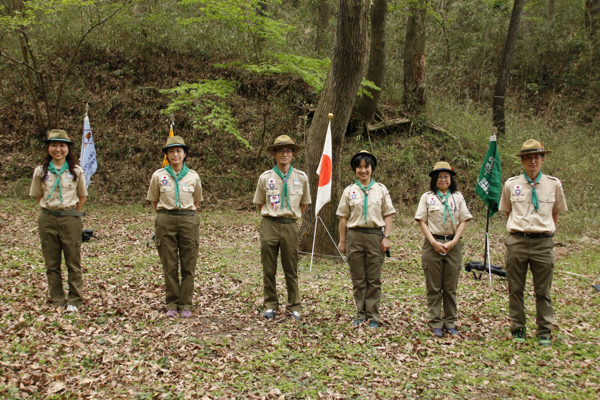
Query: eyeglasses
column 444, row 178
column 285, row 151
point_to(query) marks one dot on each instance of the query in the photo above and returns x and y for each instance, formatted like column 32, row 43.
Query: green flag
column 489, row 185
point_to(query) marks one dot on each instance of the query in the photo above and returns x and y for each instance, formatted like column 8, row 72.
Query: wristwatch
column 386, row 236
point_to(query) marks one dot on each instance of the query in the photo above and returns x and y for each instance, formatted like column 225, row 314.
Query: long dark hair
column 70, row 158
column 368, row 161
column 433, row 184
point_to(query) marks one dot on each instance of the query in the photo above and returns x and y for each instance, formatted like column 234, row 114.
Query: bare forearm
column 80, row 204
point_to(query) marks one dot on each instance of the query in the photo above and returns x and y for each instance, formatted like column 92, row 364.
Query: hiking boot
column 519, row 335
column 544, row 341
column 269, row 314
column 358, row 322
column 452, row 332
column 186, row 314
column 373, row 324
column 296, row 315
column 171, row 313
column 72, row 309
column 438, row 332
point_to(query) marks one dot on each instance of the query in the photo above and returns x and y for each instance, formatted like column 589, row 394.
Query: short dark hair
column 433, row 184
column 186, row 150
column 359, row 157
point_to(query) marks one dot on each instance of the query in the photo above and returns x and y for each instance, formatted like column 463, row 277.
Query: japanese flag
column 324, row 172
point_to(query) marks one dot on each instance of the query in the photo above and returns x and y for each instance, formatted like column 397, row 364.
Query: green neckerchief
column 52, row 168
column 366, row 190
column 177, row 177
column 285, row 188
column 534, row 198
column 444, row 199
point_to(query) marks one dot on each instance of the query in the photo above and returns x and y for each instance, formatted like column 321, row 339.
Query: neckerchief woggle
column 285, row 189
column 444, row 199
column 177, row 177
column 534, row 198
column 366, row 190
column 52, row 168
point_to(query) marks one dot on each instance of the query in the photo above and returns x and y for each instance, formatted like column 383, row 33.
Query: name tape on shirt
column 274, row 199
column 296, row 182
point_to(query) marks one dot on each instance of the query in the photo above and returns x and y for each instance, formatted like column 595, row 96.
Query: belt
column 533, row 235
column 376, row 231
column 447, row 238
column 63, row 213
column 178, row 212
column 282, row 220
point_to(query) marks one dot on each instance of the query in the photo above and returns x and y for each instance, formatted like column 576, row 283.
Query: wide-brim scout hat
column 58, row 135
column 442, row 166
column 532, row 147
column 175, row 141
column 363, row 153
column 283, row 141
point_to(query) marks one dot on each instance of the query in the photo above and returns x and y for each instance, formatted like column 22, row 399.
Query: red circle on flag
column 325, row 175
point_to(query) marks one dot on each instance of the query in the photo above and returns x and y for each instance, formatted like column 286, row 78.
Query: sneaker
column 519, row 335
column 269, row 314
column 438, row 332
column 358, row 322
column 296, row 315
column 544, row 341
column 452, row 332
column 373, row 324
column 171, row 313
column 186, row 314
column 72, row 308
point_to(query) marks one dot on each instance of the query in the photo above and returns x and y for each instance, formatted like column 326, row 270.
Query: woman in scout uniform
column 175, row 192
column 365, row 212
column 442, row 215
column 59, row 187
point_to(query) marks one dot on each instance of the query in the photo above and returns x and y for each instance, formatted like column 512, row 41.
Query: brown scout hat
column 442, row 166
column 283, row 141
column 176, row 141
column 57, row 135
column 532, row 146
column 365, row 152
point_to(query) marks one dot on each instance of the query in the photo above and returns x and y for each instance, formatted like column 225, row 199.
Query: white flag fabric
column 324, row 172
column 87, row 158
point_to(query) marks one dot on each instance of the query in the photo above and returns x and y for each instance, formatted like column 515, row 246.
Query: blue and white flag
column 88, row 152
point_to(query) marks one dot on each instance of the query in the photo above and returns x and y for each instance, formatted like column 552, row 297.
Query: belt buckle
column 446, row 238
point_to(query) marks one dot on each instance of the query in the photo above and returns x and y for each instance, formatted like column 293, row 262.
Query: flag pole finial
column 330, row 115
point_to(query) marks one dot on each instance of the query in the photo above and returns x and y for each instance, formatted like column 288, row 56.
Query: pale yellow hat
column 532, row 146
column 283, row 141
column 442, row 166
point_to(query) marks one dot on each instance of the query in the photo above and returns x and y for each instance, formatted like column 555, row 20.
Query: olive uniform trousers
column 365, row 259
column 62, row 235
column 441, row 281
column 177, row 243
column 538, row 254
column 276, row 234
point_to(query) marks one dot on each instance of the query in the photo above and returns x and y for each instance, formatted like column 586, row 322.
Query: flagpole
column 312, row 255
column 487, row 240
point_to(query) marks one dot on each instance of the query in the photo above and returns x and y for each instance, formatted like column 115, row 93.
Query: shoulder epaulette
column 266, row 172
column 513, row 178
column 301, row 173
column 553, row 178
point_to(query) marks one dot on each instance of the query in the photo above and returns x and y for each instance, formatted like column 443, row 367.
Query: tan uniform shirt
column 162, row 189
column 431, row 210
column 269, row 194
column 516, row 200
column 379, row 206
column 71, row 190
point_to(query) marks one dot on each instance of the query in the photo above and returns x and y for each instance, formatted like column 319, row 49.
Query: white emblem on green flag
column 489, row 184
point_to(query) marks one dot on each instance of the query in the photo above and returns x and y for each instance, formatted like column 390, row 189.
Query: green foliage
column 205, row 103
column 367, row 84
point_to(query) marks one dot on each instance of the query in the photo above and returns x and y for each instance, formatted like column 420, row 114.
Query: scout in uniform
column 175, row 192
column 281, row 197
column 365, row 212
column 532, row 202
column 442, row 216
column 59, row 187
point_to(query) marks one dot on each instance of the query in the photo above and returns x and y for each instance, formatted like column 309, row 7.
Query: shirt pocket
column 519, row 204
column 166, row 188
column 187, row 196
column 546, row 205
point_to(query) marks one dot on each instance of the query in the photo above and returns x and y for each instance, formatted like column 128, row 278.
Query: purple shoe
column 186, row 314
column 171, row 313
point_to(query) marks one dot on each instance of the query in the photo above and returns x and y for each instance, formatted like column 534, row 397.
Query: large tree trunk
column 505, row 64
column 376, row 70
column 323, row 12
column 592, row 16
column 415, row 97
column 338, row 97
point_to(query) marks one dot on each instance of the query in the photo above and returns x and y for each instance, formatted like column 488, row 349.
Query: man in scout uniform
column 532, row 202
column 281, row 197
column 175, row 192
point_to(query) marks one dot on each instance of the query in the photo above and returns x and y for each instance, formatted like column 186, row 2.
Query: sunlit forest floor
column 121, row 345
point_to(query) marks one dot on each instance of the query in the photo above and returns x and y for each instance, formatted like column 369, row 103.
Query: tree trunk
column 414, row 58
column 376, row 70
column 592, row 15
column 525, row 23
column 505, row 64
column 338, row 97
column 550, row 15
column 323, row 12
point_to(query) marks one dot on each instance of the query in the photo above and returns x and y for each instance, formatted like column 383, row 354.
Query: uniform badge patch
column 69, row 175
column 518, row 190
column 296, row 182
column 353, row 195
column 271, row 183
column 432, row 201
column 274, row 198
column 164, row 179
column 46, row 177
